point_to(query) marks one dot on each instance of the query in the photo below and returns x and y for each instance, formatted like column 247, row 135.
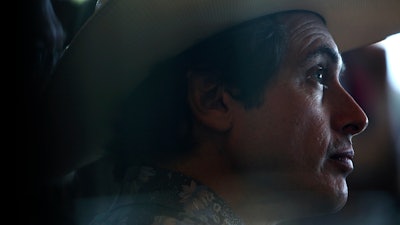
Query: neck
column 253, row 204
column 209, row 166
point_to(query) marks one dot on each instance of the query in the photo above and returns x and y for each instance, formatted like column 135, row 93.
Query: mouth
column 343, row 161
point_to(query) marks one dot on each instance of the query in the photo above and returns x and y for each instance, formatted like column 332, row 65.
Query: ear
column 210, row 103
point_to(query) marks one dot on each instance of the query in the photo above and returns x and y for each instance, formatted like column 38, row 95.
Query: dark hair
column 155, row 123
column 243, row 58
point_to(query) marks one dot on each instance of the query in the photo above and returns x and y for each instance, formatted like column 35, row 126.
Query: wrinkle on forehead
column 307, row 31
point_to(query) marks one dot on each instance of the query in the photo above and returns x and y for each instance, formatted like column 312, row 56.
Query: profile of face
column 299, row 141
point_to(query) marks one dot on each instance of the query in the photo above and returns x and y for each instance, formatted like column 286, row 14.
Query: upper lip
column 341, row 150
column 342, row 154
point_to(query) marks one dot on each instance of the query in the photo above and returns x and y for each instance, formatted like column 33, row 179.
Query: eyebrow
column 323, row 50
column 330, row 52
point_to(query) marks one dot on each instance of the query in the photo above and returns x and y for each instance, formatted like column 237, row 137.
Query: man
column 247, row 124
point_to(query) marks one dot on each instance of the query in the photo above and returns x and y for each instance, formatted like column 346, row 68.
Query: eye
column 318, row 74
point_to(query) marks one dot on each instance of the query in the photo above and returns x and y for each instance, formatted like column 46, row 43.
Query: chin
column 330, row 194
column 317, row 205
column 339, row 202
column 328, row 200
column 331, row 202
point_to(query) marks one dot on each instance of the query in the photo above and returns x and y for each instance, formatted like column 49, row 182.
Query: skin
column 281, row 159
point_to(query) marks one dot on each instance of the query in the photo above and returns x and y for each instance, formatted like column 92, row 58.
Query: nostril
column 356, row 127
column 351, row 129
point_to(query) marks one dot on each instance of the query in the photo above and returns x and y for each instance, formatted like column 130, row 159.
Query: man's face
column 299, row 140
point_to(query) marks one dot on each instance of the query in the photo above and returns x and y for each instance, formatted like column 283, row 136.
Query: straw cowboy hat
column 113, row 51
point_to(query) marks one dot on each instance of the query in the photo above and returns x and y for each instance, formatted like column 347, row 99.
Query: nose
column 347, row 116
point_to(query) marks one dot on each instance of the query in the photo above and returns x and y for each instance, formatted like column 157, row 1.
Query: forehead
column 307, row 32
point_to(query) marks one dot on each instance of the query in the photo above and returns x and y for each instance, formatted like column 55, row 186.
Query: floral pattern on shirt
column 154, row 196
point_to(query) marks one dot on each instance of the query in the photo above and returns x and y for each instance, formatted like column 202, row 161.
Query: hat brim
column 113, row 51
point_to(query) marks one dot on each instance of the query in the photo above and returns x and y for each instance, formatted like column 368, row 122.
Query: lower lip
column 343, row 165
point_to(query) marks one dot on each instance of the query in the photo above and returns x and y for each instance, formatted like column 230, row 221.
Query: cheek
column 286, row 133
column 311, row 133
column 307, row 130
column 302, row 130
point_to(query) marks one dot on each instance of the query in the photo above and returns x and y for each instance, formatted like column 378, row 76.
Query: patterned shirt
column 153, row 196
